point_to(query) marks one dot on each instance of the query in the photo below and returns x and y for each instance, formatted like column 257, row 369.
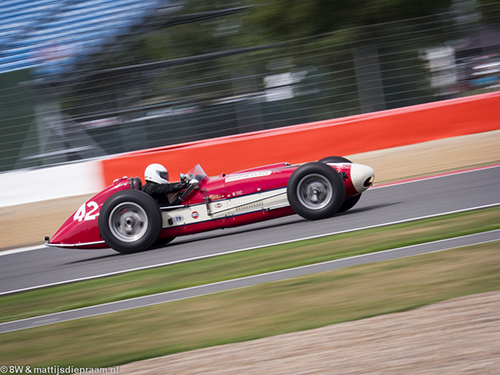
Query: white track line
column 225, row 285
column 249, row 248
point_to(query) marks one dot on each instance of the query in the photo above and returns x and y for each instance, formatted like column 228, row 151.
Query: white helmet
column 156, row 173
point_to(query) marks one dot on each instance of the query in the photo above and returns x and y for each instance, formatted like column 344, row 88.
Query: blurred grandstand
column 67, row 93
column 53, row 37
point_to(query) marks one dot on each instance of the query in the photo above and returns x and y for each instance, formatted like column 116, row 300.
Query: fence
column 97, row 113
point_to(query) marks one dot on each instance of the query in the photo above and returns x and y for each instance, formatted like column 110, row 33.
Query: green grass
column 259, row 311
column 134, row 284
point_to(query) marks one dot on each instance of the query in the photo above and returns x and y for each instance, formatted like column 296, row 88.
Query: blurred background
column 84, row 79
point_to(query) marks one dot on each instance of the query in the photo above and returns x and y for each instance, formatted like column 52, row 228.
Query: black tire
column 334, row 159
column 351, row 201
column 130, row 221
column 315, row 191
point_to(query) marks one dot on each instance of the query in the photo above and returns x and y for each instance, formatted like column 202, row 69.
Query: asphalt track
column 455, row 192
column 206, row 289
column 389, row 204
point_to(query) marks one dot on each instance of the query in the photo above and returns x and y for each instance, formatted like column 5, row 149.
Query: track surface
column 222, row 286
column 377, row 206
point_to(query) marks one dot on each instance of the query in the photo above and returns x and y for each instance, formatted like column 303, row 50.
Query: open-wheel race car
column 128, row 220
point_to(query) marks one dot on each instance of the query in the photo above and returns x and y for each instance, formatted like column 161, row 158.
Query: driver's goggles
column 163, row 175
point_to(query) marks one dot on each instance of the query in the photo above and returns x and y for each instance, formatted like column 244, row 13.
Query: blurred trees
column 272, row 21
column 286, row 19
column 269, row 21
column 248, row 65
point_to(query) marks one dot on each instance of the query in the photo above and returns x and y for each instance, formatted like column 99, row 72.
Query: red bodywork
column 81, row 229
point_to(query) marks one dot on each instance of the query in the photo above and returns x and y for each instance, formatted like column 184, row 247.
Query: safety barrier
column 294, row 144
column 313, row 141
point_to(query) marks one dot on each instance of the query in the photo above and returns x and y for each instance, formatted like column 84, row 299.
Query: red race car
column 128, row 220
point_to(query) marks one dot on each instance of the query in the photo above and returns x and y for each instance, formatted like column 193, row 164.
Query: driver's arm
column 164, row 188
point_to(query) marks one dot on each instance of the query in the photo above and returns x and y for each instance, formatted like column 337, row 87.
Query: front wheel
column 334, row 159
column 348, row 202
column 315, row 191
column 130, row 221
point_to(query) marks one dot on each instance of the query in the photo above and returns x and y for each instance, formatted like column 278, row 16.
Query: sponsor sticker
column 178, row 219
column 245, row 176
column 195, row 215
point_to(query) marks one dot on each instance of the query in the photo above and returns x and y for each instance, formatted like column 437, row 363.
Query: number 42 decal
column 83, row 214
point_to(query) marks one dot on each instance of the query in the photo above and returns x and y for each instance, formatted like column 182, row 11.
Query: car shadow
column 363, row 209
column 100, row 257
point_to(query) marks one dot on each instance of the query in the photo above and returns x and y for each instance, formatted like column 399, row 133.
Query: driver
column 157, row 184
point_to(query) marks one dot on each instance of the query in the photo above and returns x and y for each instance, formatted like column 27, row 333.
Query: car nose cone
column 362, row 177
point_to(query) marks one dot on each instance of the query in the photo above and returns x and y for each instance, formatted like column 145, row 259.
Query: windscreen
column 196, row 172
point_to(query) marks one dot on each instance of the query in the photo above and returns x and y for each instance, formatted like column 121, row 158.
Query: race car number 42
column 83, row 214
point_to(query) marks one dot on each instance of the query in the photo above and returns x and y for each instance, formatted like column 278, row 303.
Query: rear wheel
column 130, row 221
column 315, row 191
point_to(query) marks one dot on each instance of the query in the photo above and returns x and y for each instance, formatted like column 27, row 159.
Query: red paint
column 82, row 227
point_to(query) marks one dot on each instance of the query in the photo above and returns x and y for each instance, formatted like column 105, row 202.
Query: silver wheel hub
column 314, row 191
column 128, row 222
